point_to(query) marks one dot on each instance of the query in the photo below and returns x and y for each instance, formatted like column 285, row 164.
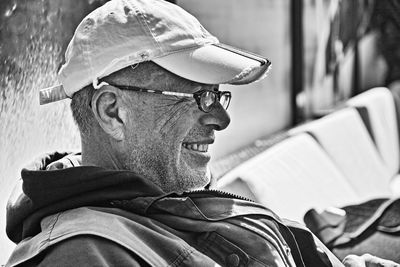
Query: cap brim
column 216, row 64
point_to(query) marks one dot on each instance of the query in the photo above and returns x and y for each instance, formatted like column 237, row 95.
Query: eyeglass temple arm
column 138, row 89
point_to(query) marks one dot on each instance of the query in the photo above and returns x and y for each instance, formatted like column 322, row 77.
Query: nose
column 218, row 117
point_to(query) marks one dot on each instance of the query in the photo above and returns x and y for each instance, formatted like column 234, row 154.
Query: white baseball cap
column 125, row 32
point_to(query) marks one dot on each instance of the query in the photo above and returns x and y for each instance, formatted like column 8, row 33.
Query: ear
column 108, row 109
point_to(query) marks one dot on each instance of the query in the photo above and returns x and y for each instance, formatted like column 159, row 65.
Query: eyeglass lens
column 225, row 99
column 208, row 99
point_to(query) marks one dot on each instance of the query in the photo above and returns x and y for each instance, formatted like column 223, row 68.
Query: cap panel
column 77, row 58
column 122, row 33
column 122, row 39
column 117, row 39
column 172, row 27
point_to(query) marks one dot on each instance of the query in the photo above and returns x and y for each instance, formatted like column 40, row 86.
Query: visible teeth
column 203, row 148
column 196, row 147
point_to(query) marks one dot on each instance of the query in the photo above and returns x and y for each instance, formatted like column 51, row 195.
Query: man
column 143, row 76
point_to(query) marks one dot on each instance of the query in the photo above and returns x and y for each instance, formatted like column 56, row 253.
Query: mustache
column 202, row 133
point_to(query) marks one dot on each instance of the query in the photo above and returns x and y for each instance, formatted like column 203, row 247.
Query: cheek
column 175, row 121
column 139, row 128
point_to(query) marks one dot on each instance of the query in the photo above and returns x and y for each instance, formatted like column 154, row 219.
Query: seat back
column 291, row 177
column 381, row 110
column 346, row 140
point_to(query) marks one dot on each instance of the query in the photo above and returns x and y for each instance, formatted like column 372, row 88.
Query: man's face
column 168, row 137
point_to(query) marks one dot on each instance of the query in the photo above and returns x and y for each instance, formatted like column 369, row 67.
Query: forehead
column 151, row 76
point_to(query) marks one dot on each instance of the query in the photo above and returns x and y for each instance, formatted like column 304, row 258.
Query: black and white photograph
column 200, row 133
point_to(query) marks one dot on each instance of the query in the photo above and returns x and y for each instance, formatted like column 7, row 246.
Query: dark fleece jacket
column 48, row 186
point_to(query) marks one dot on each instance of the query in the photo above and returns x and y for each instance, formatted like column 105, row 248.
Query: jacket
column 136, row 218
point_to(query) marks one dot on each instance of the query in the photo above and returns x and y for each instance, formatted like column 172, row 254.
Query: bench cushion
column 291, row 177
column 346, row 140
column 381, row 109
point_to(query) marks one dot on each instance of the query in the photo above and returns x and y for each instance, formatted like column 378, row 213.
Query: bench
column 345, row 157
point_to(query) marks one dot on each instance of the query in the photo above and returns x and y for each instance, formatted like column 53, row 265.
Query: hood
column 55, row 182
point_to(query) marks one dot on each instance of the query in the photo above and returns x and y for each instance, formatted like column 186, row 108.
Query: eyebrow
column 197, row 86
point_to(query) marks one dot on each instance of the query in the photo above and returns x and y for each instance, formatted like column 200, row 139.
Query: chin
column 199, row 182
column 192, row 179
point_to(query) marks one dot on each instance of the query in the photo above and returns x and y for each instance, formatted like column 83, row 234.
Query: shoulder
column 86, row 250
column 83, row 235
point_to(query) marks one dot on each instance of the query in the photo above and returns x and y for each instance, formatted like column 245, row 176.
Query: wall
column 319, row 96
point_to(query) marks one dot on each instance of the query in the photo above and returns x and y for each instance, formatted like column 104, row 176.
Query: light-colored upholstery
column 381, row 109
column 291, row 177
column 346, row 140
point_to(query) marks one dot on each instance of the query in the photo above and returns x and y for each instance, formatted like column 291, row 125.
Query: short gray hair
column 81, row 109
column 145, row 72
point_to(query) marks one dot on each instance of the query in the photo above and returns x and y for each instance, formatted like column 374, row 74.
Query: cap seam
column 142, row 21
column 85, row 51
column 130, row 62
column 184, row 49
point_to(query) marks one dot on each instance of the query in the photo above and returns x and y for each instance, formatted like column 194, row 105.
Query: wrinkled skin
column 156, row 133
column 158, row 127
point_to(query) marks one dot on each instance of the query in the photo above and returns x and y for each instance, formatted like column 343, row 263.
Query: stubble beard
column 169, row 173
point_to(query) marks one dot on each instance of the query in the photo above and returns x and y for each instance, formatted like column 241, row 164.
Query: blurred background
column 322, row 53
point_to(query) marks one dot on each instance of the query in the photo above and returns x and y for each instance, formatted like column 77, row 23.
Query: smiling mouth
column 196, row 147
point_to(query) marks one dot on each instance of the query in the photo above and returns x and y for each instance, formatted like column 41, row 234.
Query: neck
column 99, row 152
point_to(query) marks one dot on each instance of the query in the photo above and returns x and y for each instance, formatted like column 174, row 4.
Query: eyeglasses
column 205, row 99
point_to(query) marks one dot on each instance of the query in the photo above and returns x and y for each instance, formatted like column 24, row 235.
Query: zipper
column 215, row 193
